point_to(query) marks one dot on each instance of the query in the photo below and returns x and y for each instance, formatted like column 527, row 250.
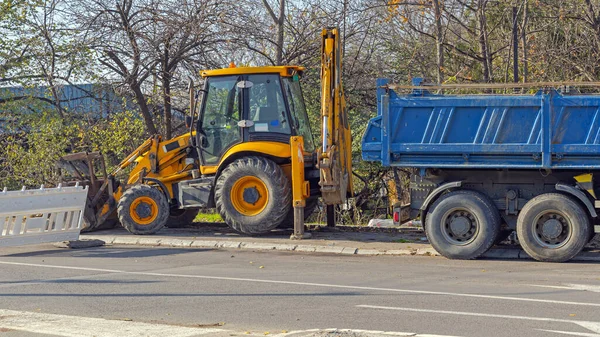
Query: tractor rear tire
column 182, row 217
column 143, row 210
column 253, row 195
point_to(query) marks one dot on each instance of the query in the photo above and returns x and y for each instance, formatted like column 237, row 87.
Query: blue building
column 97, row 100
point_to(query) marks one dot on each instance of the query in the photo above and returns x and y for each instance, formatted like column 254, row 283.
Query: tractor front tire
column 253, row 195
column 143, row 209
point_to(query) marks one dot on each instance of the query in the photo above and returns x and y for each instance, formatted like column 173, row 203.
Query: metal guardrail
column 41, row 215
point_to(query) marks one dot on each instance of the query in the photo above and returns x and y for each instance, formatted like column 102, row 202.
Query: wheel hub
column 251, row 195
column 459, row 227
column 143, row 210
column 551, row 228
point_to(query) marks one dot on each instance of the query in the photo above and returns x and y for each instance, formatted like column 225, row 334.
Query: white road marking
column 77, row 326
column 322, row 285
column 571, row 286
column 592, row 326
column 74, row 326
column 570, row 333
column 374, row 333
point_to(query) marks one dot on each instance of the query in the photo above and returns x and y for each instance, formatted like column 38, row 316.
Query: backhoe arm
column 335, row 155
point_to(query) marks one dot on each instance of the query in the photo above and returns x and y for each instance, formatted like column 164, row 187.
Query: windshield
column 267, row 107
column 221, row 116
column 298, row 111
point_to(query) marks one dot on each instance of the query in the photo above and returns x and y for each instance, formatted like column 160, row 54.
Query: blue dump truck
column 486, row 165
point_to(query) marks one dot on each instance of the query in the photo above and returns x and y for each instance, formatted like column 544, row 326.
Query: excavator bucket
column 100, row 210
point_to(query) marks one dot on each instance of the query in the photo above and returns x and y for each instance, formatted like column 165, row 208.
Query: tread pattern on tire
column 581, row 228
column 467, row 252
column 133, row 193
column 278, row 185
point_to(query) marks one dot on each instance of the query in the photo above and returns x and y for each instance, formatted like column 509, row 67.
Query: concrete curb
column 305, row 247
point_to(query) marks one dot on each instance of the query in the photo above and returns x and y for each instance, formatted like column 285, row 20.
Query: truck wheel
column 462, row 225
column 253, row 195
column 553, row 227
column 309, row 209
column 181, row 217
column 143, row 210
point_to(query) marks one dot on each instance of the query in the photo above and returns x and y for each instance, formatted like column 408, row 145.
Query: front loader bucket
column 100, row 210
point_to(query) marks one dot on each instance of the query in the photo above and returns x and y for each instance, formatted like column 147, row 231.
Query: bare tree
column 439, row 38
column 279, row 21
column 114, row 31
column 181, row 31
column 524, row 40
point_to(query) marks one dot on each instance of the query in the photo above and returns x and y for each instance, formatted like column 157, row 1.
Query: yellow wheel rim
column 143, row 210
column 249, row 195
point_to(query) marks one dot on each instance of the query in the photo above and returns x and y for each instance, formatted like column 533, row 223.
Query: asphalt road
column 261, row 292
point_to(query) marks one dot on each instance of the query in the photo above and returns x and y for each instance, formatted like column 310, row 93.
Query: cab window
column 298, row 111
column 220, row 117
column 267, row 106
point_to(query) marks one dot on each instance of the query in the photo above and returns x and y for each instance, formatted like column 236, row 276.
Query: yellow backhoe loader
column 249, row 153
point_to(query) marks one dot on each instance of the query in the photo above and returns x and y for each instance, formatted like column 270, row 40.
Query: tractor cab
column 250, row 104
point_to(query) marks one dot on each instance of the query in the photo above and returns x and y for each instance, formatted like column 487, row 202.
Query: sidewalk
column 338, row 240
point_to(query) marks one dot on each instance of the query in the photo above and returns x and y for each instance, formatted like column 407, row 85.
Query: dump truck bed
column 546, row 130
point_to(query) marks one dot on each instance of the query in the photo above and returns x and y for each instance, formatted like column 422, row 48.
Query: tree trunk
column 439, row 41
column 280, row 22
column 166, row 84
column 524, row 40
column 141, row 100
column 167, row 104
column 484, row 49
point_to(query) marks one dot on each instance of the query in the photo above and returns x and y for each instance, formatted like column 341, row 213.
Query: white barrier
column 41, row 215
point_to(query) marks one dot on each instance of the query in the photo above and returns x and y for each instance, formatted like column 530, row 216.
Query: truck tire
column 553, row 227
column 462, row 225
column 253, row 195
column 143, row 209
column 309, row 209
column 181, row 217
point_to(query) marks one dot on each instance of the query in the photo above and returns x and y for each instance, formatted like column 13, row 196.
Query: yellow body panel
column 300, row 187
column 168, row 160
column 285, row 71
column 269, row 148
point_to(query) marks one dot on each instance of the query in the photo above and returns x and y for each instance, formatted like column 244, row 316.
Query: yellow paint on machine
column 273, row 149
column 284, row 71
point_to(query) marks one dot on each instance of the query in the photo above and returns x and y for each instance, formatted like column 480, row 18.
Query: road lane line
column 310, row 284
column 571, row 286
column 582, row 334
column 592, row 326
column 75, row 326
column 333, row 331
